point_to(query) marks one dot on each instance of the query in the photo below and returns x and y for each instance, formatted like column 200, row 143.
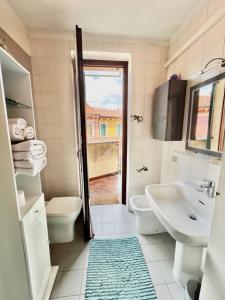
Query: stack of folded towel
column 19, row 130
column 29, row 157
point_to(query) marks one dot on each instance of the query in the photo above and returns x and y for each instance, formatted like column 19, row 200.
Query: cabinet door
column 160, row 112
column 175, row 119
column 37, row 254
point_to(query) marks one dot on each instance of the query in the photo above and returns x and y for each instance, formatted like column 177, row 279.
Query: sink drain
column 193, row 217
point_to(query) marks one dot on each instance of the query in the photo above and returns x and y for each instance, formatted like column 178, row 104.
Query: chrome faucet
column 209, row 186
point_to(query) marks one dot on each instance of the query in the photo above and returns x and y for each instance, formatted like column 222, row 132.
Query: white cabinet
column 24, row 254
column 35, row 235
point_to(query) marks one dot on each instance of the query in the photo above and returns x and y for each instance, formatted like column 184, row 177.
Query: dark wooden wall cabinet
column 168, row 110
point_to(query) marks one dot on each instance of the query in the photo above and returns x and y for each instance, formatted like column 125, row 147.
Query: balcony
column 104, row 167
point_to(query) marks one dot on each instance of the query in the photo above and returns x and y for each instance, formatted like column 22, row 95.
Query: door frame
column 124, row 66
column 79, row 94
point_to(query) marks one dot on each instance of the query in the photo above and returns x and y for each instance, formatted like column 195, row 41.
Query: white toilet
column 62, row 213
column 146, row 221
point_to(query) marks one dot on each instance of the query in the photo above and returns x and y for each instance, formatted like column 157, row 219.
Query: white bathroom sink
column 186, row 214
column 177, row 205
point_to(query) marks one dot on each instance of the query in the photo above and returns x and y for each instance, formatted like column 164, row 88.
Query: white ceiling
column 132, row 18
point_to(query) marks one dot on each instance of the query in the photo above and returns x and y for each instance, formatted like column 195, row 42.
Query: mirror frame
column 192, row 89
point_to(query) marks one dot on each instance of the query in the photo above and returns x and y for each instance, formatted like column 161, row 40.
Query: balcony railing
column 104, row 158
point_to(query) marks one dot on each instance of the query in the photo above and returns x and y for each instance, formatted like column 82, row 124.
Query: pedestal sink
column 186, row 214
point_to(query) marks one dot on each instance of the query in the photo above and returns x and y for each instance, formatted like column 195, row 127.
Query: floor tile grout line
column 163, row 242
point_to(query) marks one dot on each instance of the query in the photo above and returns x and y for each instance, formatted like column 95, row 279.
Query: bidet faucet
column 209, row 186
column 144, row 168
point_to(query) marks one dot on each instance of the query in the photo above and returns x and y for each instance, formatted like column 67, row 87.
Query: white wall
column 146, row 73
column 180, row 165
column 210, row 45
column 11, row 23
column 194, row 166
column 55, row 113
column 213, row 286
column 54, row 100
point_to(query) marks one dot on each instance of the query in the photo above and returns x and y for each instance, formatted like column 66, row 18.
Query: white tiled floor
column 113, row 221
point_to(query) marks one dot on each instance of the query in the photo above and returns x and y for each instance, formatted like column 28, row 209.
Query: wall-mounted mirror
column 206, row 122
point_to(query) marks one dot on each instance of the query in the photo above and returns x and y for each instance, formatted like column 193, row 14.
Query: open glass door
column 81, row 131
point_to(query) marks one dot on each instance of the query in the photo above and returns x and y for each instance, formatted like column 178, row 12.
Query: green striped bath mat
column 117, row 270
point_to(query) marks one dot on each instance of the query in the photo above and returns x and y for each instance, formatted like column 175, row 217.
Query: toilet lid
column 63, row 206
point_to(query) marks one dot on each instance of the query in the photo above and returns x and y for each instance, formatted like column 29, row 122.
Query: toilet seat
column 63, row 207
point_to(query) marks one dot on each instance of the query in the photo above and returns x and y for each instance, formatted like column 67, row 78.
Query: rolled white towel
column 34, row 155
column 30, row 146
column 28, row 133
column 28, row 164
column 18, row 121
column 33, row 171
column 16, row 133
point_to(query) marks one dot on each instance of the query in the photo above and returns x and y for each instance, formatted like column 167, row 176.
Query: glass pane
column 103, row 129
column 207, row 117
column 200, row 116
column 104, row 98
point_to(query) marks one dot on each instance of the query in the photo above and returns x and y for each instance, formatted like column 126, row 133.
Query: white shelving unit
column 24, row 249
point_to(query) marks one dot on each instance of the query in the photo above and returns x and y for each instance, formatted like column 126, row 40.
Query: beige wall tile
column 35, row 65
column 139, row 69
column 198, row 21
column 154, row 70
column 54, row 145
column 66, row 100
column 45, row 47
column 184, row 36
column 64, row 84
column 109, row 47
column 139, row 52
column 58, row 159
column 48, row 83
column 94, row 45
column 36, row 83
column 63, row 173
column 66, row 116
column 55, row 92
column 34, row 47
column 46, row 100
column 163, row 54
column 62, row 48
column 67, row 131
column 194, row 58
column 214, row 42
column 151, row 85
column 139, row 102
column 214, row 6
column 139, row 85
column 47, row 116
column 69, row 145
column 63, row 66
column 49, row 131
column 153, row 53
column 47, row 66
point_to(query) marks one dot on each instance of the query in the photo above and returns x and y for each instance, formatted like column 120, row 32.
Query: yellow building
column 103, row 124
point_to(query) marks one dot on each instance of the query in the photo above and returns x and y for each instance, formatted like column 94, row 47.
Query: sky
column 104, row 92
column 206, row 90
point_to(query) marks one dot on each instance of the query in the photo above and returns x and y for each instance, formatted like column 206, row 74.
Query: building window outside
column 90, row 130
column 103, row 129
column 118, row 129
